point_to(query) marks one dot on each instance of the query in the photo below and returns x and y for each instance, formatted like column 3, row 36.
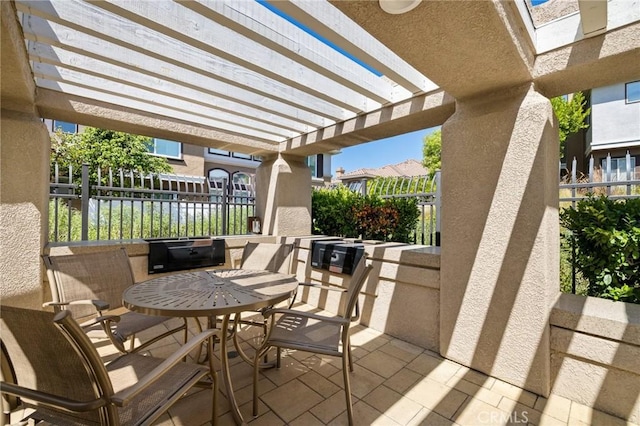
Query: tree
column 571, row 114
column 103, row 149
column 431, row 152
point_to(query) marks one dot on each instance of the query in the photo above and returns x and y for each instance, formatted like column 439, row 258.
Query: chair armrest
column 336, row 320
column 100, row 305
column 50, row 400
column 323, row 287
column 123, row 397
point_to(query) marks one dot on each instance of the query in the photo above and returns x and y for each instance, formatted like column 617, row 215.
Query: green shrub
column 607, row 235
column 343, row 213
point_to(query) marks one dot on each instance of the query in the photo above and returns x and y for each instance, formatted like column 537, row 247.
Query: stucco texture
column 283, row 199
column 24, row 186
column 499, row 269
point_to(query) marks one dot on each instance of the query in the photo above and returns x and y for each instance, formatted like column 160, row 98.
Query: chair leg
column 346, row 361
column 350, row 357
column 256, row 364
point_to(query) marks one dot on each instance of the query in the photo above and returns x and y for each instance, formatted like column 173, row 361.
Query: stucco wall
column 595, row 354
column 401, row 296
column 23, row 207
column 613, row 121
column 500, row 232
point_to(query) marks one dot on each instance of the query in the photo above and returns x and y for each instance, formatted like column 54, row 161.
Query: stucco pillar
column 283, row 196
column 24, row 185
column 500, row 254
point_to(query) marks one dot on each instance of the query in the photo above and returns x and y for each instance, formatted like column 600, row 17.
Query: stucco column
column 24, row 185
column 283, row 196
column 500, row 254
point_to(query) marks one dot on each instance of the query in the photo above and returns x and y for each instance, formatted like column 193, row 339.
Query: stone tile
column 245, row 394
column 307, row 419
column 290, row 369
column 546, row 420
column 164, row 420
column 362, row 381
column 402, row 350
column 476, row 377
column 585, row 414
column 367, row 338
column 381, row 364
column 182, row 412
column 428, row 418
column 393, row 404
column 281, row 402
column 435, row 368
column 437, row 397
column 475, row 391
column 331, row 407
column 325, row 366
column 267, row 419
column 515, row 393
column 402, row 380
column 363, row 415
column 320, row 384
column 519, row 411
column 475, row 412
column 555, row 406
column 246, row 410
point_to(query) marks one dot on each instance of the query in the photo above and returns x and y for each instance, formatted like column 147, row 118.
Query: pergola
column 238, row 75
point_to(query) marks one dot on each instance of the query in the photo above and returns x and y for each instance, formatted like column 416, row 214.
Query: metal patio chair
column 309, row 332
column 272, row 257
column 56, row 371
column 90, row 285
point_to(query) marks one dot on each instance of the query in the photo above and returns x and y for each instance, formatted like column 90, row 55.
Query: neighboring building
column 355, row 180
column 193, row 160
column 614, row 128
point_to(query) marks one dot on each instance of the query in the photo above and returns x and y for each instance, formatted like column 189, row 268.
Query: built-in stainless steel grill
column 184, row 253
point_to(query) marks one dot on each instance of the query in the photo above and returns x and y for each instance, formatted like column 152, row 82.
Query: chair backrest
column 50, row 353
column 358, row 278
column 88, row 276
column 267, row 257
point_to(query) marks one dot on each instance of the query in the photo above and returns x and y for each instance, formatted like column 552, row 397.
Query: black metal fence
column 127, row 205
column 424, row 189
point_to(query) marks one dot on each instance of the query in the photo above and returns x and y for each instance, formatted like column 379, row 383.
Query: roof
column 298, row 77
column 409, row 167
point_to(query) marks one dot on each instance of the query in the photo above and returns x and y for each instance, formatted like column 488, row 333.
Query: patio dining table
column 211, row 293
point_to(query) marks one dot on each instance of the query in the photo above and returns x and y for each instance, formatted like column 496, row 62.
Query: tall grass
column 148, row 222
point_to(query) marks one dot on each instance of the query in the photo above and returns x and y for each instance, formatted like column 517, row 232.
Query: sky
column 382, row 152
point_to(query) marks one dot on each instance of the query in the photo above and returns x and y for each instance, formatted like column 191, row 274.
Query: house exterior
column 193, row 160
column 614, row 129
column 356, row 179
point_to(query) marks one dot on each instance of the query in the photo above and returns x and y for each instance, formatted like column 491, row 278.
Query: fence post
column 85, row 195
column 438, row 207
column 225, row 196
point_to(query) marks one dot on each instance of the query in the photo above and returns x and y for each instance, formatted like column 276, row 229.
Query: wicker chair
column 90, row 285
column 309, row 332
column 57, row 371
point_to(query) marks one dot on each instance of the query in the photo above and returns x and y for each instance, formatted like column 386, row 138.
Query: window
column 65, row 127
column 166, row 148
column 243, row 156
column 219, row 152
column 618, row 168
column 633, row 92
column 311, row 162
column 241, row 185
column 316, row 164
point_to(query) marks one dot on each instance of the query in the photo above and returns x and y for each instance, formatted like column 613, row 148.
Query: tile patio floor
column 394, row 383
